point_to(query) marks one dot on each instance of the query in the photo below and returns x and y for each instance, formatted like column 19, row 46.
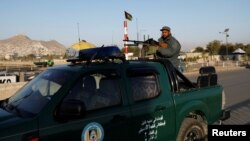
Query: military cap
column 165, row 28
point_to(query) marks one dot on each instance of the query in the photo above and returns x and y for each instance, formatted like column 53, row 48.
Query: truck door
column 106, row 116
column 151, row 104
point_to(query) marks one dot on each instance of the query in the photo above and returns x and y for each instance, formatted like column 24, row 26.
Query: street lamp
column 226, row 33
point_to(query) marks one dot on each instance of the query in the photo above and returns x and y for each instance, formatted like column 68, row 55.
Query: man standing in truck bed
column 168, row 47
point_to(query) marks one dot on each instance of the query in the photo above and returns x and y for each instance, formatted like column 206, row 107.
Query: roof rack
column 99, row 53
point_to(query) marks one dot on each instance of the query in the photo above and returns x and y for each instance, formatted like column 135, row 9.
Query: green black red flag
column 128, row 16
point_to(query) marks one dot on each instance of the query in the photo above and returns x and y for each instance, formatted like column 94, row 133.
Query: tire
column 192, row 130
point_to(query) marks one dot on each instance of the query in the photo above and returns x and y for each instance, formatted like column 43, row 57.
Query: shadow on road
column 240, row 113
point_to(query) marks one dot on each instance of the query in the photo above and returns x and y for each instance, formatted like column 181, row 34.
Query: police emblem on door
column 93, row 132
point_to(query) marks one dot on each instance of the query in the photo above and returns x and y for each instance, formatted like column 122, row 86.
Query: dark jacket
column 172, row 52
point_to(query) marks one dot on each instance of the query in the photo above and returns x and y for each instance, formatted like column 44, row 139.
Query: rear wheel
column 192, row 130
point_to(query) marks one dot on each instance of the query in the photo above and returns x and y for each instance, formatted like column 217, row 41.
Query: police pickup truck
column 100, row 96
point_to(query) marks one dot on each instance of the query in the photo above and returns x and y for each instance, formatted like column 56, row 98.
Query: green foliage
column 214, row 47
column 199, row 50
column 247, row 49
column 191, row 59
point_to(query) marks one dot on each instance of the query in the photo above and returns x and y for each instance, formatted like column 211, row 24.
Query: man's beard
column 165, row 36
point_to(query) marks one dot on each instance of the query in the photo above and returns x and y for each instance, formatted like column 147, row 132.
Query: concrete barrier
column 7, row 90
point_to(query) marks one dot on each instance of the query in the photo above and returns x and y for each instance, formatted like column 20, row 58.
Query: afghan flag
column 128, row 16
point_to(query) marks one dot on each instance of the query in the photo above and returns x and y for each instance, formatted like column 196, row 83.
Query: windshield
column 30, row 99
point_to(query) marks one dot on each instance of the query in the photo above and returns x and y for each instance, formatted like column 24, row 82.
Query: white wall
column 6, row 90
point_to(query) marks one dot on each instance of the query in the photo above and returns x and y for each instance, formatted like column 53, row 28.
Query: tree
column 231, row 48
column 223, row 50
column 213, row 47
column 247, row 49
column 199, row 50
column 239, row 45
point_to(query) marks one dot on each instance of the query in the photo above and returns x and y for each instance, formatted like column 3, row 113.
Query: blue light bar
column 108, row 52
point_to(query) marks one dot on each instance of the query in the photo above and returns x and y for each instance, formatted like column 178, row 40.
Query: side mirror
column 71, row 109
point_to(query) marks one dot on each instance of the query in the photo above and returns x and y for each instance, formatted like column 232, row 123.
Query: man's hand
column 163, row 45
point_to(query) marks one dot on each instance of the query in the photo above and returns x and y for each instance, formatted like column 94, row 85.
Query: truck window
column 144, row 84
column 32, row 98
column 184, row 84
column 97, row 90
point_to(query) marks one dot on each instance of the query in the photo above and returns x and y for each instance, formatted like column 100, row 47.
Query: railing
column 15, row 65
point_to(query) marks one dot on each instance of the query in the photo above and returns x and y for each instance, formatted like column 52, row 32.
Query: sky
column 193, row 22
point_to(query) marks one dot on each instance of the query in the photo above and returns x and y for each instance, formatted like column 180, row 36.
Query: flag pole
column 137, row 31
column 126, row 38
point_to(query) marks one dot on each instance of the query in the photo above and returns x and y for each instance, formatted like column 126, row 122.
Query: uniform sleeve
column 173, row 49
column 160, row 40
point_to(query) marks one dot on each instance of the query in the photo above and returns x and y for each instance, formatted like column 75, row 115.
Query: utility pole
column 137, row 31
column 79, row 40
column 226, row 33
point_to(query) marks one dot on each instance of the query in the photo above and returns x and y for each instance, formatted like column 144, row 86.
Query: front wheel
column 192, row 130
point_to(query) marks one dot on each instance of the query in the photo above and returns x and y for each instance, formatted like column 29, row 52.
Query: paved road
column 236, row 85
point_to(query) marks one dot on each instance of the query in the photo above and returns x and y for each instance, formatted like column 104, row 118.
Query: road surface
column 236, row 85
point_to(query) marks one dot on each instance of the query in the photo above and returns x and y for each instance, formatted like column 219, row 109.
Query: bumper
column 225, row 115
